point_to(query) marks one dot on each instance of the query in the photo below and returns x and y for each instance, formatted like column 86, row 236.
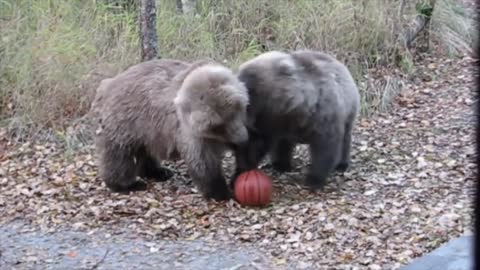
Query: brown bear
column 167, row 110
column 304, row 97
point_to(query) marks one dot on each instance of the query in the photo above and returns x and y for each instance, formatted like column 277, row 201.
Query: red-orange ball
column 253, row 188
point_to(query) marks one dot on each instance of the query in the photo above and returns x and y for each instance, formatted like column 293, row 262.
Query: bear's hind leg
column 149, row 168
column 324, row 155
column 346, row 147
column 117, row 169
column 282, row 155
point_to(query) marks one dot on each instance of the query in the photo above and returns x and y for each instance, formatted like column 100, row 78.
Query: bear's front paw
column 157, row 173
column 315, row 182
column 134, row 186
column 161, row 174
column 282, row 166
column 342, row 167
column 218, row 193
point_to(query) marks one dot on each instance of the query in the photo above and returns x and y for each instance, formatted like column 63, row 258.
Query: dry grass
column 53, row 53
column 455, row 26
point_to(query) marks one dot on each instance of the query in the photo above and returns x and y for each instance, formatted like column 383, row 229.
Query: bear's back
column 137, row 104
column 141, row 84
column 332, row 77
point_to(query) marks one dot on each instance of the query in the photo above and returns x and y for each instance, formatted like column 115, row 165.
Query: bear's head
column 276, row 84
column 211, row 104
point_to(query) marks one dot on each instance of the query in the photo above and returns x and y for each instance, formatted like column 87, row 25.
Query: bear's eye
column 218, row 129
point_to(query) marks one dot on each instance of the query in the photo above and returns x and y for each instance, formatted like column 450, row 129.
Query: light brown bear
column 168, row 110
column 304, row 97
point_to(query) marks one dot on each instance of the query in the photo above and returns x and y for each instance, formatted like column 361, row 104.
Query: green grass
column 53, row 53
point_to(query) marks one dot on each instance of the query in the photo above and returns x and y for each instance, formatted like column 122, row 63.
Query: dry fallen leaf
column 408, row 190
column 72, row 254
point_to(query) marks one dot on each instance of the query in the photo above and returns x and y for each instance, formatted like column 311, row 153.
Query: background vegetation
column 54, row 52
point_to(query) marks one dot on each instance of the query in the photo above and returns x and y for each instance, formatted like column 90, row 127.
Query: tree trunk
column 188, row 7
column 148, row 31
column 421, row 22
column 179, row 6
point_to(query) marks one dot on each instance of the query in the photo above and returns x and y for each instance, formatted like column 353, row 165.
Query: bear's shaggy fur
column 305, row 97
column 166, row 110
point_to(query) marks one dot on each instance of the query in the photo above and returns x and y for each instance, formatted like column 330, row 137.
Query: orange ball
column 253, row 188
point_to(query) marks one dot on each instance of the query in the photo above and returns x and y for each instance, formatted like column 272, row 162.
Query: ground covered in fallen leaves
column 410, row 189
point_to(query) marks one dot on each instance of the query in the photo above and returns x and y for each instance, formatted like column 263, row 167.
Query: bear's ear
column 285, row 67
column 248, row 78
column 178, row 101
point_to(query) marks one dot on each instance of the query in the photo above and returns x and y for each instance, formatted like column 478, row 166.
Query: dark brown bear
column 300, row 97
